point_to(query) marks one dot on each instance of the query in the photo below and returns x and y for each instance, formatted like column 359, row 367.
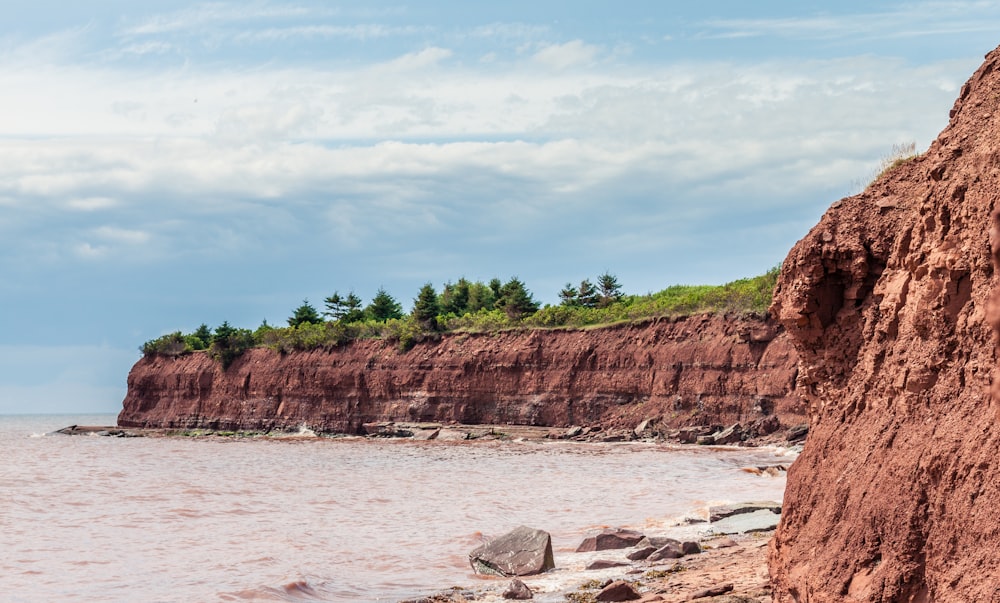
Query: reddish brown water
column 89, row 518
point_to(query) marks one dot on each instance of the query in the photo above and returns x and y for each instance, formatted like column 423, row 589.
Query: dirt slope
column 896, row 495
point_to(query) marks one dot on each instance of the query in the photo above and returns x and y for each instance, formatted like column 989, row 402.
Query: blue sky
column 164, row 164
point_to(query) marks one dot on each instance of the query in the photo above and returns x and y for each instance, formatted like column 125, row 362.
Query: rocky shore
column 736, row 434
column 721, row 560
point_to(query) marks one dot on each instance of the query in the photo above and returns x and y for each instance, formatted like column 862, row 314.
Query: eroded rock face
column 895, row 495
column 698, row 370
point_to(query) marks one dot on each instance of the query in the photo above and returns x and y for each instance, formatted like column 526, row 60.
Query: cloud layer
column 221, row 161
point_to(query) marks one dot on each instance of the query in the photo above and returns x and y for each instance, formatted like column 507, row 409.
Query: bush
column 172, row 344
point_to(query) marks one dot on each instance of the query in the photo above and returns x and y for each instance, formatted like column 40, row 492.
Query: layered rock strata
column 887, row 299
column 709, row 369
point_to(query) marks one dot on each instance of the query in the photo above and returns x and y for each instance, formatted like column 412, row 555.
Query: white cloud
column 121, row 235
column 212, row 14
column 144, row 48
column 91, row 203
column 570, row 54
column 422, row 59
column 915, row 19
column 367, row 31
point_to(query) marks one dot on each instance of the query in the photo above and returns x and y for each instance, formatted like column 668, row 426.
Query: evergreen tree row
column 458, row 299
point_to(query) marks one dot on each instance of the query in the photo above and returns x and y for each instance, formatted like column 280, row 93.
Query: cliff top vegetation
column 467, row 306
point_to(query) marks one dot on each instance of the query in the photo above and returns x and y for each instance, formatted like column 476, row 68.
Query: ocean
column 91, row 518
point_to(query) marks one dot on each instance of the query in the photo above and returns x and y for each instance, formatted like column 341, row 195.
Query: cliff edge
column 887, row 299
column 698, row 370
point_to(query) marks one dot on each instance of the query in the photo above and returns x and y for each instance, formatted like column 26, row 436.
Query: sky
column 165, row 164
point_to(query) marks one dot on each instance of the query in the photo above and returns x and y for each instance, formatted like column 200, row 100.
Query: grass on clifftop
column 744, row 296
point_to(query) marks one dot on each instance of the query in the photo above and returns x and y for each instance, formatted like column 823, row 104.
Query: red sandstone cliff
column 696, row 370
column 896, row 495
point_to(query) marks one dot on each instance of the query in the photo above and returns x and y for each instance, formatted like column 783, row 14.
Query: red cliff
column 695, row 370
column 896, row 494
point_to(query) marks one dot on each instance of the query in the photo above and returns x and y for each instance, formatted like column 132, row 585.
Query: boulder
column 574, row 431
column 722, row 511
column 799, row 432
column 426, row 434
column 673, row 550
column 618, row 591
column 655, row 541
column 730, row 435
column 518, row 590
column 609, row 539
column 452, row 435
column 521, row 552
column 645, row 429
column 745, row 523
column 690, row 548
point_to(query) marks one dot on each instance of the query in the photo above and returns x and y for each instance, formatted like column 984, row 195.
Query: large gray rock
column 521, row 552
column 758, row 521
column 609, row 539
column 722, row 511
column 729, row 435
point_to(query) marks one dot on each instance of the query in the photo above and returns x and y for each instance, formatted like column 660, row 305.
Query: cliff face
column 698, row 370
column 895, row 496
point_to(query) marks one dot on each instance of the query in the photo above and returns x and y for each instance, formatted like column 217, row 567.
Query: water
column 89, row 518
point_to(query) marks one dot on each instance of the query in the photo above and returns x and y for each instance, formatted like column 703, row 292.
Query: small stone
column 600, row 564
column 618, row 591
column 640, row 554
column 713, row 591
column 691, row 548
column 724, row 543
column 609, row 539
column 574, row 431
column 518, row 590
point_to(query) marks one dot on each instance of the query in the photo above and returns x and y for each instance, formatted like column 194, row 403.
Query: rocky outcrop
column 700, row 370
column 887, row 300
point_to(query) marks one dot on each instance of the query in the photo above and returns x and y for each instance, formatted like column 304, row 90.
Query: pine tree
column 455, row 298
column 204, row 334
column 481, row 297
column 334, row 306
column 588, row 296
column 352, row 306
column 569, row 296
column 516, row 300
column 426, row 308
column 610, row 290
column 304, row 313
column 383, row 307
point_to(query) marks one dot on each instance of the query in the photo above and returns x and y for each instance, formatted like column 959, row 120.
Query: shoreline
column 790, row 439
column 731, row 569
